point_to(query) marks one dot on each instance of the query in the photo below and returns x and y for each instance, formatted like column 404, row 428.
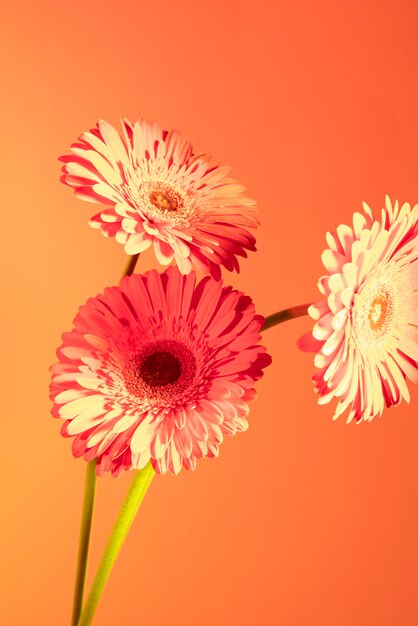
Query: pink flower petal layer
column 366, row 328
column 159, row 369
column 158, row 193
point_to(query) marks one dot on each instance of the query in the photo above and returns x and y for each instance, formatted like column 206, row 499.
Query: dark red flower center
column 160, row 369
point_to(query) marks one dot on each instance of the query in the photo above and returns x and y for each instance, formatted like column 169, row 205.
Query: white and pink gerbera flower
column 159, row 193
column 366, row 331
column 159, row 369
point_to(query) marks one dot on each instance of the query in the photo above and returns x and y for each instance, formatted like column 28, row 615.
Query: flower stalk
column 130, row 506
column 83, row 548
column 130, row 266
column 286, row 314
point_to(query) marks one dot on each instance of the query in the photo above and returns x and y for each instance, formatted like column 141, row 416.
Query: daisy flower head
column 159, row 369
column 366, row 331
column 159, row 193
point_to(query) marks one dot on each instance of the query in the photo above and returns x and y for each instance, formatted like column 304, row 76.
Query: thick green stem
column 286, row 314
column 122, row 525
column 83, row 548
column 88, row 504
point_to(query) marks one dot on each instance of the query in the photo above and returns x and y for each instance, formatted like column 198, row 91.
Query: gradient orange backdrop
column 301, row 521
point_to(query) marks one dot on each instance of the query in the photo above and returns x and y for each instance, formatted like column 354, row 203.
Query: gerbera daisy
column 366, row 331
column 159, row 193
column 159, row 369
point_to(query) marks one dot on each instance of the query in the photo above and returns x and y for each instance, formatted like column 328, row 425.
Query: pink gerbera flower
column 158, row 369
column 366, row 331
column 159, row 193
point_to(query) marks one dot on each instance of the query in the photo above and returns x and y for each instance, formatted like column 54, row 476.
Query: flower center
column 166, row 199
column 160, row 369
column 160, row 199
column 375, row 312
column 378, row 311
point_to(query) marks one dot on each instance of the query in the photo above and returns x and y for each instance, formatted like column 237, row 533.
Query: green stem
column 87, row 513
column 130, row 265
column 284, row 315
column 122, row 525
column 83, row 548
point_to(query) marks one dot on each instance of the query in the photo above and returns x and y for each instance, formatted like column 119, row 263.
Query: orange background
column 301, row 521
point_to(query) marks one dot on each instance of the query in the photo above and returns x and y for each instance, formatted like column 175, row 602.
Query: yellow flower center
column 158, row 199
column 378, row 311
column 167, row 200
column 375, row 312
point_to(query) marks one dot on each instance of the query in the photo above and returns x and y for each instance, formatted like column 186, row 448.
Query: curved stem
column 122, row 525
column 284, row 315
column 83, row 548
column 87, row 512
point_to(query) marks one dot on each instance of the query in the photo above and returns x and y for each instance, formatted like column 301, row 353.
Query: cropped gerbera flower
column 159, row 369
column 159, row 193
column 366, row 331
